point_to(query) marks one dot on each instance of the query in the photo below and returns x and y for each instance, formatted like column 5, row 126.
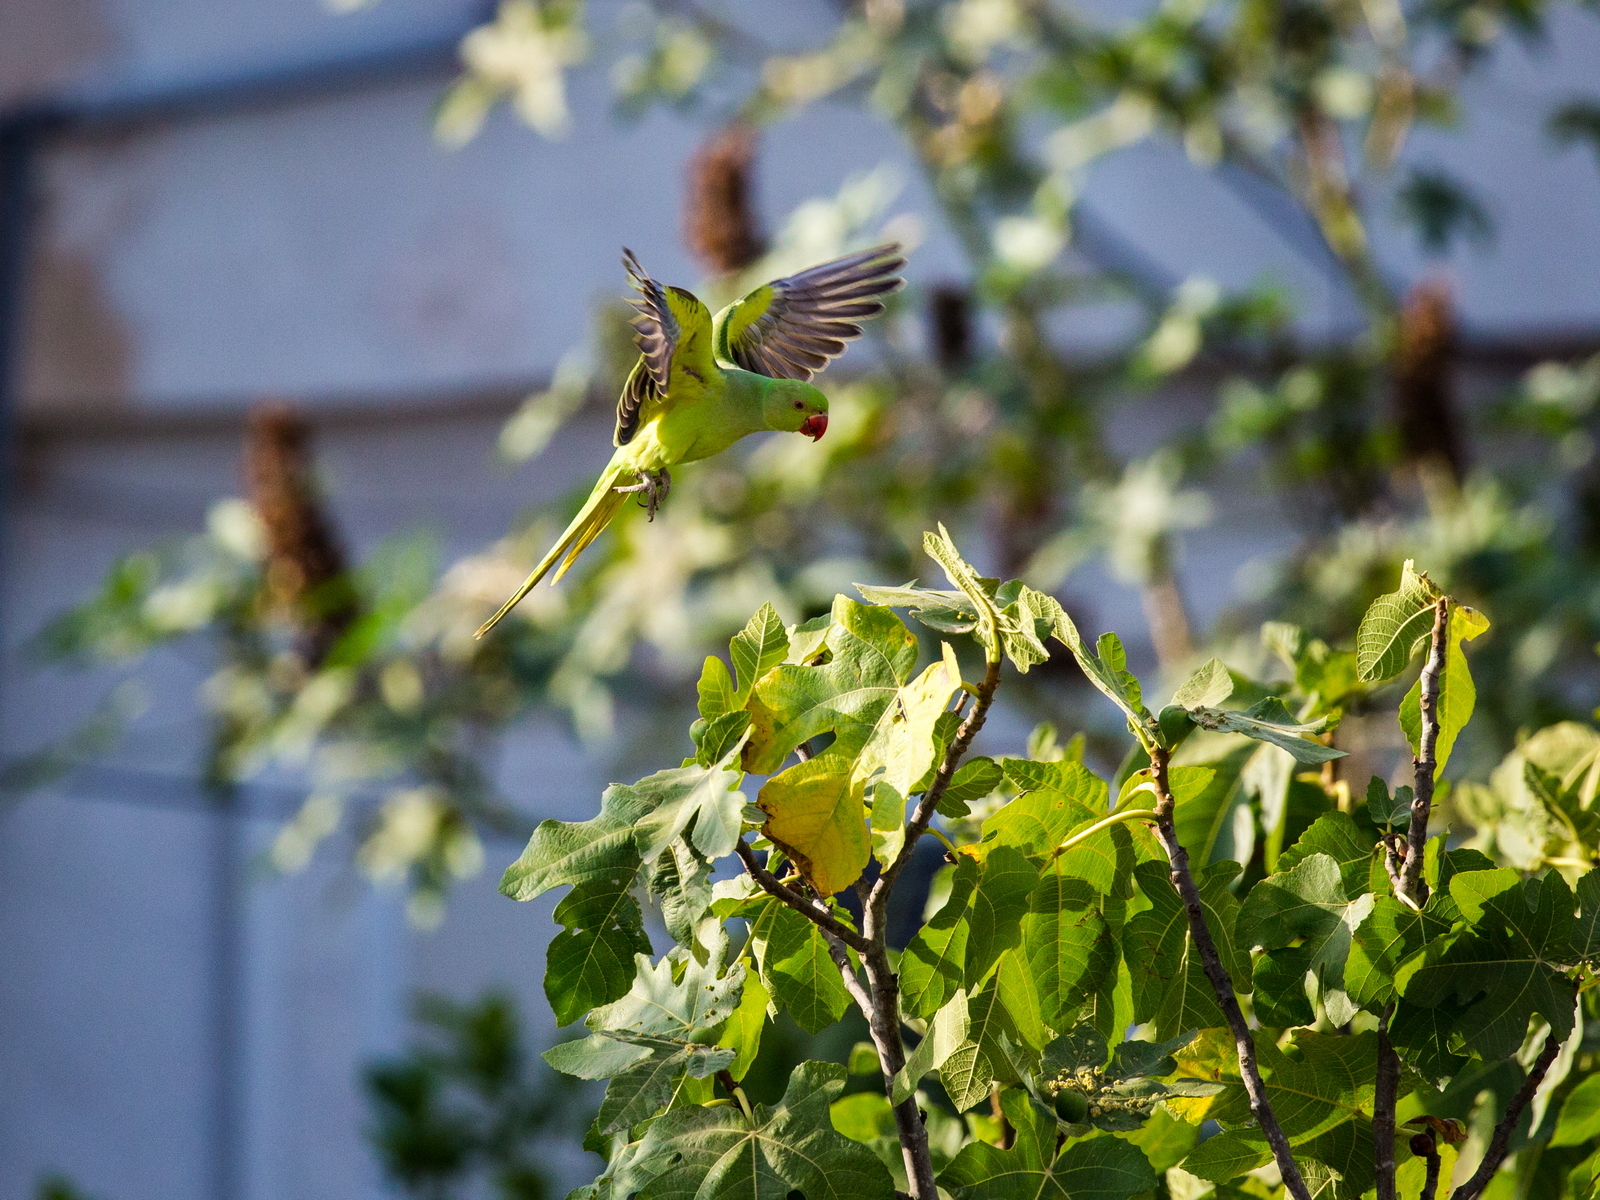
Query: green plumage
column 702, row 384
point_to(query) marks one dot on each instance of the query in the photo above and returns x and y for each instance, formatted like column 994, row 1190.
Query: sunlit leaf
column 943, row 551
column 760, row 646
column 947, row 1031
column 1395, row 626
column 1106, row 668
column 715, row 689
column 696, row 1153
column 872, row 655
column 1457, row 695
column 1270, row 721
column 944, row 612
column 1206, row 688
column 668, row 1025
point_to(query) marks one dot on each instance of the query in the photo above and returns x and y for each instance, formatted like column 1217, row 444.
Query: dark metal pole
column 17, row 138
column 226, row 1133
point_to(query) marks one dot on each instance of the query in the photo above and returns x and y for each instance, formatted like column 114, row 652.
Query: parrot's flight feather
column 673, row 332
column 792, row 327
column 593, row 517
column 638, row 393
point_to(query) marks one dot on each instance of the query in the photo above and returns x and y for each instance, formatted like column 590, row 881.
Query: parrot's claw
column 655, row 485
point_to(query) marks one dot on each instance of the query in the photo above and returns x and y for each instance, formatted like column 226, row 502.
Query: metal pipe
column 16, row 217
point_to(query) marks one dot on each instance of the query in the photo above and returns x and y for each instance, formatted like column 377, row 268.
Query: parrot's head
column 796, row 407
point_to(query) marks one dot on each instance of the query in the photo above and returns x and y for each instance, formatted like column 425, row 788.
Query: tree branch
column 847, row 972
column 879, row 1001
column 883, row 1021
column 1211, row 962
column 1385, row 1095
column 812, row 910
column 1413, row 890
column 1496, row 1153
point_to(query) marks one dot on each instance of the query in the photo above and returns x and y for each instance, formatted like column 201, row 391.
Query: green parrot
column 702, row 384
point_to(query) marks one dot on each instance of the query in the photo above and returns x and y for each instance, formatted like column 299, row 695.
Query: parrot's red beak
column 815, row 426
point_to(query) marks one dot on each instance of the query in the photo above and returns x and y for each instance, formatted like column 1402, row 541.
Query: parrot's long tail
column 595, row 515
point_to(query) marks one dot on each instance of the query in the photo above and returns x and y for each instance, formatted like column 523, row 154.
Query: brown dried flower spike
column 1424, row 391
column 721, row 226
column 306, row 577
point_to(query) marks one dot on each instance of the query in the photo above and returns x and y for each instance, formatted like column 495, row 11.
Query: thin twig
column 1392, row 858
column 1385, row 1095
column 1413, row 890
column 812, row 910
column 880, row 999
column 923, row 816
column 1430, row 1183
column 1501, row 1139
column 1211, row 962
column 1410, row 888
column 847, row 972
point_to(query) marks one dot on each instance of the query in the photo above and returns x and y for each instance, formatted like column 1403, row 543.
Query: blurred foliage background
column 361, row 681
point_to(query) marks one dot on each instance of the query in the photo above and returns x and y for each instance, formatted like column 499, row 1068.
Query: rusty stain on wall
column 78, row 349
column 47, row 43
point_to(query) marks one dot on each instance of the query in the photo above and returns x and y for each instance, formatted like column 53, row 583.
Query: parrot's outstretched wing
column 790, row 328
column 673, row 332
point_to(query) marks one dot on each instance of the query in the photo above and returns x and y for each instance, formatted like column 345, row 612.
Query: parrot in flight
column 701, row 384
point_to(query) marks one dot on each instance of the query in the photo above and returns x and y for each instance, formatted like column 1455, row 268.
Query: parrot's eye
column 799, row 403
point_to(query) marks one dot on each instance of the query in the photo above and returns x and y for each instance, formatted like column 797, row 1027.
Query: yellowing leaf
column 903, row 745
column 814, row 813
column 1209, row 1058
column 884, row 729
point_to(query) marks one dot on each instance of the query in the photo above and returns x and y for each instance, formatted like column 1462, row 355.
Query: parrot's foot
column 655, row 485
